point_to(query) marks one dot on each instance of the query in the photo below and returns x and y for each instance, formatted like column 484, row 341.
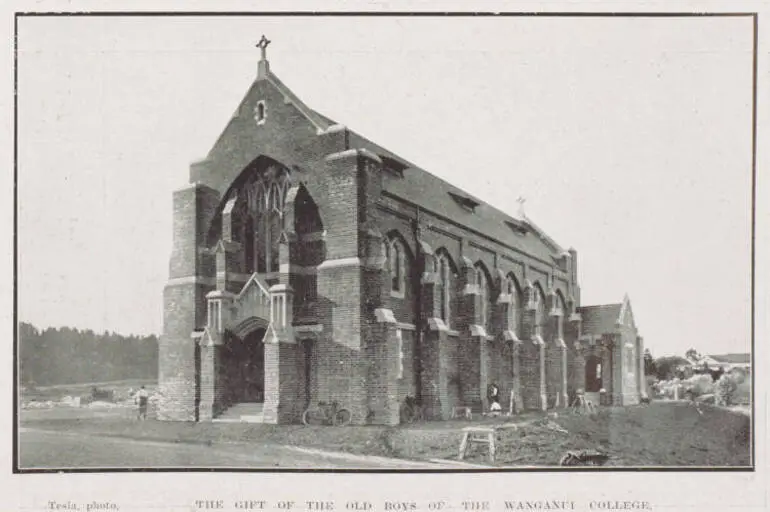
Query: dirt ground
column 659, row 434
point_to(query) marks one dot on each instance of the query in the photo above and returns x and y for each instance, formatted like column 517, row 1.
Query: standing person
column 141, row 399
column 494, row 399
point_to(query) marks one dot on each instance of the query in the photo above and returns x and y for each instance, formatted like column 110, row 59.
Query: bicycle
column 410, row 410
column 326, row 413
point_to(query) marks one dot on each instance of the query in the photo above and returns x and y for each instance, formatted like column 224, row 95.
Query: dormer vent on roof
column 464, row 201
column 393, row 166
column 519, row 228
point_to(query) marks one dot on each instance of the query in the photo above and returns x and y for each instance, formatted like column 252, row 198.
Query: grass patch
column 659, row 434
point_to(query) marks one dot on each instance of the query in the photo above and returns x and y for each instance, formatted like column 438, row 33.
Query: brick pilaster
column 283, row 369
column 556, row 360
column 384, row 359
column 532, row 358
column 341, row 281
column 518, row 403
column 284, row 361
column 209, row 354
column 642, row 377
column 184, row 302
column 435, row 380
column 509, row 334
column 577, row 368
column 609, row 371
column 472, row 349
column 434, row 351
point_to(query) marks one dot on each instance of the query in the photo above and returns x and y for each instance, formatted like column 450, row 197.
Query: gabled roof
column 732, row 358
column 606, row 318
column 599, row 320
column 420, row 187
column 413, row 184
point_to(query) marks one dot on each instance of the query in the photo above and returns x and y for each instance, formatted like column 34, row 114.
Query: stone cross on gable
column 521, row 200
column 262, row 45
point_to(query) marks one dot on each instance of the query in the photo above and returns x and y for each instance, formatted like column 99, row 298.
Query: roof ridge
column 457, row 189
column 318, row 121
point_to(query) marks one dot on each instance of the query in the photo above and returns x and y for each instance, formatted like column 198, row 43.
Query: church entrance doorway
column 244, row 368
column 593, row 374
column 594, row 381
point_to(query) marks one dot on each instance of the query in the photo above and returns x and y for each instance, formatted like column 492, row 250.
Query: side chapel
column 311, row 264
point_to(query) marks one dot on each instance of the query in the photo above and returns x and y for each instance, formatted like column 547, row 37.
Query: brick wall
column 532, row 363
column 284, row 381
column 184, row 304
column 345, row 188
column 408, row 382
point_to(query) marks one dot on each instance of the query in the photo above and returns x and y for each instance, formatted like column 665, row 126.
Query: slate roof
column 599, row 320
column 420, row 187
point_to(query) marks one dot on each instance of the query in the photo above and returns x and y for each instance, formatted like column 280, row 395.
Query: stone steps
column 246, row 412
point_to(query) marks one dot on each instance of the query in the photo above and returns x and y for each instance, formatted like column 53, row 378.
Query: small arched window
column 396, row 267
column 514, row 313
column 385, row 250
column 483, row 298
column 539, row 298
column 561, row 309
column 260, row 112
column 443, row 288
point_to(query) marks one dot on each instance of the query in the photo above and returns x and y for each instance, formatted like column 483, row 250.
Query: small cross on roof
column 262, row 45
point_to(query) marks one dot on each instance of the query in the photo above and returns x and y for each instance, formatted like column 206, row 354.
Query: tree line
column 70, row 356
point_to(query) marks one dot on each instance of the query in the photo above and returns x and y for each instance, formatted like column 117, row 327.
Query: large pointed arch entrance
column 241, row 371
column 266, row 241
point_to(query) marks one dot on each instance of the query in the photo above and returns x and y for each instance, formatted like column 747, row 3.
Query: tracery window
column 266, row 196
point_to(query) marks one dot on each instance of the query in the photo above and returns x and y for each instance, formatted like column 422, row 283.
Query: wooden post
column 463, row 445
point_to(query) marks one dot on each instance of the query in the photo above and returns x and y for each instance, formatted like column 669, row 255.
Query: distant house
column 730, row 361
column 725, row 362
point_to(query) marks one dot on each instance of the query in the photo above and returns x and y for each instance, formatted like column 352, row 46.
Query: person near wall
column 493, row 395
column 142, row 398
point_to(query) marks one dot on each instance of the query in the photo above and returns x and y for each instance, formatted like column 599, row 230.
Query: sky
column 630, row 139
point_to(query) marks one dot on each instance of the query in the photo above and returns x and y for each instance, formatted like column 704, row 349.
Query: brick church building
column 310, row 264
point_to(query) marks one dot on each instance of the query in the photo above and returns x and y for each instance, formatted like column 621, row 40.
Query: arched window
column 444, row 288
column 539, row 298
column 396, row 264
column 266, row 197
column 260, row 112
column 484, row 296
column 561, row 308
column 514, row 312
column 396, row 267
column 385, row 249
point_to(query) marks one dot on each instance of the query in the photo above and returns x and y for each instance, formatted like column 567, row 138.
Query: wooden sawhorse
column 478, row 435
